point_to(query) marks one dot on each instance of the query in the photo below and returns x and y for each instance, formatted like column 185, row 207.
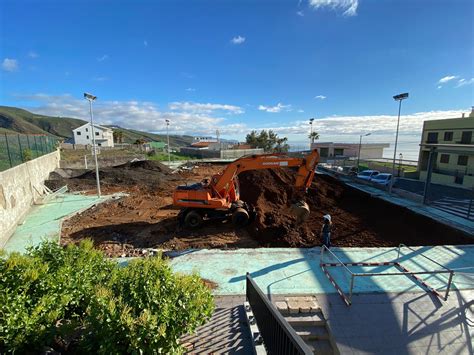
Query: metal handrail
column 278, row 336
column 405, row 246
column 340, row 261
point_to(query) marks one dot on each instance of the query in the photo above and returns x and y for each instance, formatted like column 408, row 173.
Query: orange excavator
column 219, row 197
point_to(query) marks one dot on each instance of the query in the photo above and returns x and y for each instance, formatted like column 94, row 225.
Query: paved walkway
column 297, row 271
column 227, row 331
column 43, row 222
column 407, row 323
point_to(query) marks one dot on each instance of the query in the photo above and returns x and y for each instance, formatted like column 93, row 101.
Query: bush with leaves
column 53, row 295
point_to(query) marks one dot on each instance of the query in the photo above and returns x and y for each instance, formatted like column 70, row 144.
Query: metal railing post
column 36, row 147
column 352, row 287
column 449, row 285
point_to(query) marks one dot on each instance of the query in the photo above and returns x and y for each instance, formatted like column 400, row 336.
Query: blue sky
column 239, row 65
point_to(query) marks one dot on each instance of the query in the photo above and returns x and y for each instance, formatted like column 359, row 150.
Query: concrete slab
column 297, row 271
column 43, row 222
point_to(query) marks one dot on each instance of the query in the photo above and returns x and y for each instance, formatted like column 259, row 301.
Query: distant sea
column 410, row 150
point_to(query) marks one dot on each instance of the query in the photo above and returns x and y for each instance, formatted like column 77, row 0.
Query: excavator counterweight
column 219, row 196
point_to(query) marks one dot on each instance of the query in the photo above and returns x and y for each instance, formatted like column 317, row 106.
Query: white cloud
column 300, row 13
column 300, row 111
column 191, row 89
column 275, row 109
column 104, row 57
column 100, row 78
column 238, row 40
column 445, row 79
column 33, row 54
column 196, row 107
column 145, row 43
column 320, row 97
column 147, row 116
column 349, row 7
column 10, row 65
column 439, row 86
column 463, row 82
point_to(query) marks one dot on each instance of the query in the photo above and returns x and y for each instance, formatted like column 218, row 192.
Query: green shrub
column 56, row 295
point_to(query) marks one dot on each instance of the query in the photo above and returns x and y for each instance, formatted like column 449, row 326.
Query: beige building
column 330, row 150
column 451, row 144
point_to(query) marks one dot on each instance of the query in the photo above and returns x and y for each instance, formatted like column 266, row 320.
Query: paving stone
column 282, row 306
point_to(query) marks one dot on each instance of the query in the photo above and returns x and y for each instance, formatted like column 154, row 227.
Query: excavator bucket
column 300, row 210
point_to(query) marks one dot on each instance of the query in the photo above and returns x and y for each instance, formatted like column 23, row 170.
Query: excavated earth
column 146, row 220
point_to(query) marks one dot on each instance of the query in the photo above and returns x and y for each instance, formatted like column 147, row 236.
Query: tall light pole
column 311, row 132
column 168, row 137
column 91, row 98
column 399, row 98
column 360, row 144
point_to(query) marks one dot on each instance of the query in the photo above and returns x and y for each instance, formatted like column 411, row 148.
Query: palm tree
column 313, row 136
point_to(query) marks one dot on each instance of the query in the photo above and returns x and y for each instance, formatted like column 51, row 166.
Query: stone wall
column 20, row 187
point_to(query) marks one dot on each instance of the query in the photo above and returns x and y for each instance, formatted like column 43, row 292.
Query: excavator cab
column 219, row 197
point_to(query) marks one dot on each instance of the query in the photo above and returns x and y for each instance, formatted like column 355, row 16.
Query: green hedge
column 75, row 300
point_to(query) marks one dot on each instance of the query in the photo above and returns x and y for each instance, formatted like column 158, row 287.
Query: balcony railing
column 278, row 336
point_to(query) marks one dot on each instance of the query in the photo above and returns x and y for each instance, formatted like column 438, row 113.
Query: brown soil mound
column 145, row 173
column 358, row 219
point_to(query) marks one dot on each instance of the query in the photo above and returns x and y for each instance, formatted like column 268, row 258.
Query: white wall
column 20, row 186
column 103, row 137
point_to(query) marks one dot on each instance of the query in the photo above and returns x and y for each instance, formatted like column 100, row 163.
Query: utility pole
column 168, row 137
column 399, row 98
column 91, row 98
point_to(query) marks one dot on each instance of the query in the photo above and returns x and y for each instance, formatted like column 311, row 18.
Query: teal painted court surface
column 297, row 271
column 43, row 222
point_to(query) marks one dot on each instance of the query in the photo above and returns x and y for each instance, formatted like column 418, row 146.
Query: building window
column 444, row 158
column 466, row 137
column 338, row 151
column 96, row 133
column 100, row 144
column 78, row 133
column 87, row 129
column 432, row 137
column 462, row 160
column 324, row 152
column 448, row 136
column 87, row 137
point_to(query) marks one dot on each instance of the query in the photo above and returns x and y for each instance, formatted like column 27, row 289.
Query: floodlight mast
column 399, row 98
column 360, row 145
column 91, row 98
column 168, row 138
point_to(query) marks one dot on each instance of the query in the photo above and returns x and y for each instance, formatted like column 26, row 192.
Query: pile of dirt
column 358, row 219
column 144, row 173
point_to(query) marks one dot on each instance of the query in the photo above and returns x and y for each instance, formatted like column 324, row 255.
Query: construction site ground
column 146, row 219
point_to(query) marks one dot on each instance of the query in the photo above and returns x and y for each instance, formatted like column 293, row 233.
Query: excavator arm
column 304, row 177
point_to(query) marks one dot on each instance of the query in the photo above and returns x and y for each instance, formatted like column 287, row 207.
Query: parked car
column 367, row 174
column 382, row 179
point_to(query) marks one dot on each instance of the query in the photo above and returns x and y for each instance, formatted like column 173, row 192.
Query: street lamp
column 399, row 98
column 311, row 132
column 360, row 144
column 91, row 98
column 168, row 137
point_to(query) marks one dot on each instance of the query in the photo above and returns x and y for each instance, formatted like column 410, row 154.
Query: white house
column 104, row 136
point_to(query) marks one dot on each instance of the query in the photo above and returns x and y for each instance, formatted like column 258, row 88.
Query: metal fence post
column 36, row 147
column 21, row 150
column 8, row 151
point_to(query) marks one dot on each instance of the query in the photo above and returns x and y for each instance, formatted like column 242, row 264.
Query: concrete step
column 312, row 332
column 305, row 319
column 321, row 347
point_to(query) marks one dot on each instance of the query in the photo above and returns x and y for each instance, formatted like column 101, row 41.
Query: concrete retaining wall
column 20, row 187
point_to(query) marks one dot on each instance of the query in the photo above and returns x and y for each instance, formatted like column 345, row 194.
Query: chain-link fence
column 16, row 149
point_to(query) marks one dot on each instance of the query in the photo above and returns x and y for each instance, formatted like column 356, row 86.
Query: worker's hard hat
column 328, row 217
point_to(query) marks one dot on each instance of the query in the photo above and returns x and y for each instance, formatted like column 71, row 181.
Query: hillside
column 16, row 120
